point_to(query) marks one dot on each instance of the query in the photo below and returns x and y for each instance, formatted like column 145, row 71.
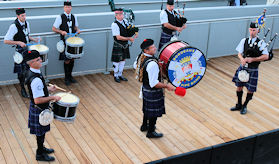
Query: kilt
column 153, row 102
column 165, row 38
column 251, row 85
column 33, row 122
column 119, row 53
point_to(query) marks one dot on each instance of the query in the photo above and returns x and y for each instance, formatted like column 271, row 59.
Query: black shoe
column 24, row 94
column 243, row 110
column 116, row 79
column 67, row 82
column 123, row 78
column 48, row 151
column 72, row 80
column 143, row 128
column 44, row 157
column 237, row 107
column 154, row 135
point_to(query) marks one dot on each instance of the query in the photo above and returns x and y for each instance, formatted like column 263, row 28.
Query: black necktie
column 23, row 26
column 68, row 17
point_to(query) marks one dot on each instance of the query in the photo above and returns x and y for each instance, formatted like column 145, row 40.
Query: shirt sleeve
column 11, row 32
column 240, row 47
column 153, row 72
column 76, row 21
column 57, row 22
column 163, row 17
column 37, row 88
column 115, row 29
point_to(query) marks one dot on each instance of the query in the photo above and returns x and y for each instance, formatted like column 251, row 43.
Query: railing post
column 107, row 46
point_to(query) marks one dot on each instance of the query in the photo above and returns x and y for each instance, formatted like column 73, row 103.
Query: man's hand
column 170, row 87
column 131, row 39
column 21, row 44
column 63, row 33
column 56, row 98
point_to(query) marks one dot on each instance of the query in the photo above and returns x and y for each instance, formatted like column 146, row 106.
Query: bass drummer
column 168, row 18
column 18, row 35
column 149, row 74
column 64, row 24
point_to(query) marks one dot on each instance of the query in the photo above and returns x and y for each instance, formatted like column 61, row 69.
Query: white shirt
column 164, row 16
column 152, row 70
column 37, row 85
column 262, row 44
column 58, row 21
column 115, row 28
column 237, row 2
column 13, row 30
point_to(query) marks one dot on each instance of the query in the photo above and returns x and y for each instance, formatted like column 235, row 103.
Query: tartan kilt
column 165, row 38
column 119, row 53
column 251, row 85
column 153, row 102
column 33, row 122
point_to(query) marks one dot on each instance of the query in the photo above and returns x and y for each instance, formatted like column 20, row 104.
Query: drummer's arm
column 41, row 100
column 11, row 42
column 77, row 30
column 33, row 39
column 119, row 37
column 59, row 31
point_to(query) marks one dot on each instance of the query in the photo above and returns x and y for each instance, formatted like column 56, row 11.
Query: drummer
column 66, row 23
column 18, row 35
column 39, row 100
column 168, row 21
column 152, row 88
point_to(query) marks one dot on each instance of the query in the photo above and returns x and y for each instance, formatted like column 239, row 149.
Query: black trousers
column 40, row 144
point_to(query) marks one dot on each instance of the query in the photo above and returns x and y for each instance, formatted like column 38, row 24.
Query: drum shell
column 61, row 110
column 74, row 50
column 43, row 54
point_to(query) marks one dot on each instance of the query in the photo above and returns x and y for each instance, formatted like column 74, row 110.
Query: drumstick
column 64, row 90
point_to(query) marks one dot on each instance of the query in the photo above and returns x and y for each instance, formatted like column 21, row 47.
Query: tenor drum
column 65, row 108
column 183, row 65
column 74, row 47
column 43, row 50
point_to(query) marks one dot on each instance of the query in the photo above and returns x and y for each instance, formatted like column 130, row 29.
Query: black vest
column 253, row 52
column 145, row 79
column 20, row 36
column 64, row 26
column 123, row 32
column 30, row 77
column 172, row 21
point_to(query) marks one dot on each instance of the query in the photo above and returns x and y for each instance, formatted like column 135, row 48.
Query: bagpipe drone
column 129, row 16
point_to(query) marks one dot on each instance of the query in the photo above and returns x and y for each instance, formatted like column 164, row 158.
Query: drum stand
column 46, row 79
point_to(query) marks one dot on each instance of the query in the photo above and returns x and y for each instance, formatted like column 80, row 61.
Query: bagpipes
column 180, row 19
column 129, row 16
column 261, row 23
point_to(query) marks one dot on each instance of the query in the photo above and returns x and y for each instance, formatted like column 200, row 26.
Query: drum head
column 75, row 41
column 186, row 67
column 42, row 49
column 67, row 99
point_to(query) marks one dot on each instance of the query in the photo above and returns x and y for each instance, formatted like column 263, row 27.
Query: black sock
column 40, row 144
column 239, row 97
column 144, row 121
column 248, row 98
column 152, row 122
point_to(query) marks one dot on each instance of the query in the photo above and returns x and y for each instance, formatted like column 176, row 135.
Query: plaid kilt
column 153, row 102
column 165, row 38
column 251, row 85
column 119, row 53
column 33, row 122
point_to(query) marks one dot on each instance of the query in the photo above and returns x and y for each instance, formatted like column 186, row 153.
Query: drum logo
column 187, row 67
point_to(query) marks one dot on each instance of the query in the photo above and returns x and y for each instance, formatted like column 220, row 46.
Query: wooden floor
column 106, row 129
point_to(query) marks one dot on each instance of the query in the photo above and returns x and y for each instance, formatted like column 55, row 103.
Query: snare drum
column 43, row 50
column 183, row 65
column 74, row 47
column 65, row 108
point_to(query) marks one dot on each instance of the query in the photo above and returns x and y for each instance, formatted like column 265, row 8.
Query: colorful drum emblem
column 185, row 65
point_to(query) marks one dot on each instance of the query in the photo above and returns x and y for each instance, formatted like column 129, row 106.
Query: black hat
column 118, row 10
column 67, row 3
column 170, row 2
column 20, row 11
column 254, row 25
column 29, row 55
column 146, row 43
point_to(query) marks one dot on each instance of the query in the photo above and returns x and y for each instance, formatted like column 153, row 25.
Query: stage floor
column 106, row 129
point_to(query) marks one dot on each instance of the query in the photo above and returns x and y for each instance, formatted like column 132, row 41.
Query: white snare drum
column 43, row 50
column 65, row 109
column 74, row 47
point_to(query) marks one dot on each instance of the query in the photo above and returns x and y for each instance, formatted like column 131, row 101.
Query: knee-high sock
column 40, row 144
column 248, row 98
column 152, row 122
column 21, row 78
column 121, row 68
column 239, row 97
column 72, row 63
column 115, row 68
column 67, row 71
column 144, row 121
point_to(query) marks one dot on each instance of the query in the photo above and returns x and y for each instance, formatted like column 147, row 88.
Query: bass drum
column 183, row 65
